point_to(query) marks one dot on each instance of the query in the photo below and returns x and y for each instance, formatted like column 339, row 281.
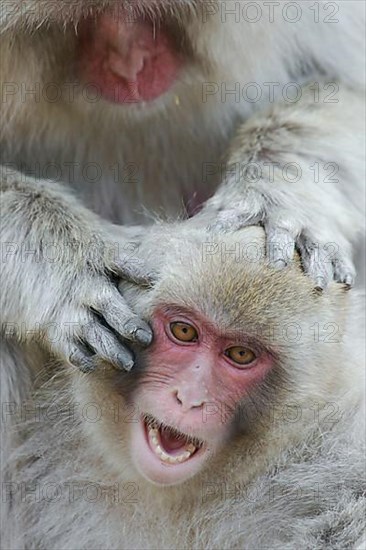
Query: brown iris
column 183, row 332
column 240, row 355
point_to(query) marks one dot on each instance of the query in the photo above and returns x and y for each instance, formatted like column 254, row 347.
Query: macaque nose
column 191, row 394
column 189, row 399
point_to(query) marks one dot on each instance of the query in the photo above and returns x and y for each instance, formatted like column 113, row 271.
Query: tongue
column 171, row 442
column 128, row 62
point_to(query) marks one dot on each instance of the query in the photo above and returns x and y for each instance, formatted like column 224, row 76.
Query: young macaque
column 241, row 426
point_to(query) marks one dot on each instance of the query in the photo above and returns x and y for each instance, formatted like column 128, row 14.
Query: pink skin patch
column 189, row 393
column 127, row 61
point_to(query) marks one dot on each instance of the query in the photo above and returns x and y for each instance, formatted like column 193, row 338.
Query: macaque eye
column 240, row 355
column 183, row 332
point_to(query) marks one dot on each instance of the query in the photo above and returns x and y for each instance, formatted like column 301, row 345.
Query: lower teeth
column 165, row 457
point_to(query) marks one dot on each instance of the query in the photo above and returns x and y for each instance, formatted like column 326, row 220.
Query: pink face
column 195, row 377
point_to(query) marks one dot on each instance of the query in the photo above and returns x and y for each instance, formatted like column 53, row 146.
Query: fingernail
column 123, row 362
column 143, row 336
column 280, row 263
column 348, row 281
column 127, row 365
column 320, row 283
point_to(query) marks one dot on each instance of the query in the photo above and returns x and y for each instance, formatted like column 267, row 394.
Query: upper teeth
column 165, row 457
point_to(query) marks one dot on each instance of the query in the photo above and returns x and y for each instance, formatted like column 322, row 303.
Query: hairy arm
column 298, row 169
column 58, row 271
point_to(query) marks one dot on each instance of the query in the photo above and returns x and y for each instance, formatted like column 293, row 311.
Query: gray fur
column 162, row 153
column 71, row 482
column 186, row 156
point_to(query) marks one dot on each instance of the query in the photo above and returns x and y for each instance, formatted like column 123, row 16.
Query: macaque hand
column 286, row 230
column 106, row 324
column 101, row 323
column 76, row 311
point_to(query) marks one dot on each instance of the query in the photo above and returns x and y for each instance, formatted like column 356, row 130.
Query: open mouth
column 165, row 455
column 170, row 445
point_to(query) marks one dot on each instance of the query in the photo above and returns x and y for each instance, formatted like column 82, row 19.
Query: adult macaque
column 242, row 426
column 134, row 104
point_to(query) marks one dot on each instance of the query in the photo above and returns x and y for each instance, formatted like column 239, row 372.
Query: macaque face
column 232, row 341
column 195, row 378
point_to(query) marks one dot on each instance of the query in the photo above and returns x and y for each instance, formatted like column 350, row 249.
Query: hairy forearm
column 298, row 169
column 308, row 157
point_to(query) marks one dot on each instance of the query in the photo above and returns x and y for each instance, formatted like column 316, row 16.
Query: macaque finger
column 344, row 272
column 80, row 358
column 316, row 263
column 280, row 246
column 112, row 306
column 107, row 346
column 132, row 268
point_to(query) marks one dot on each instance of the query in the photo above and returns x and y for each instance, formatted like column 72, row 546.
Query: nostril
column 178, row 398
